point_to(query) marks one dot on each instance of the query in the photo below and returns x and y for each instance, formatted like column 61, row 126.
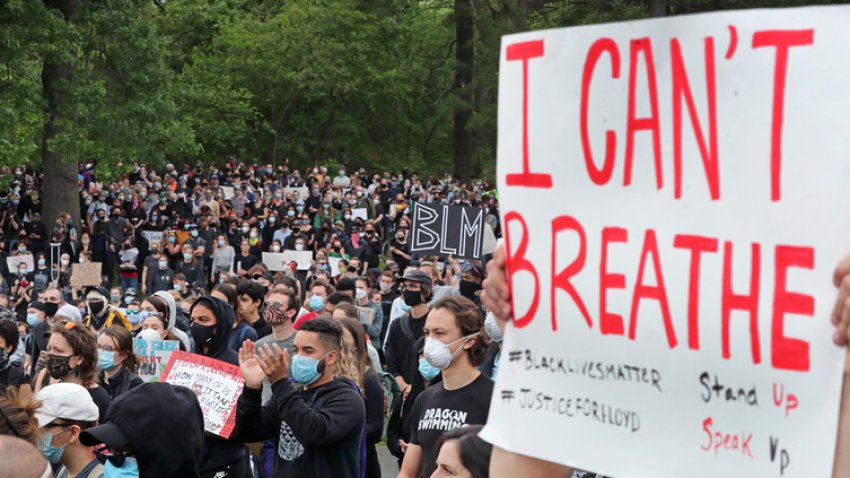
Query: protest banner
column 360, row 212
column 442, row 230
column 153, row 236
column 84, row 274
column 673, row 195
column 153, row 356
column 366, row 315
column 275, row 261
column 12, row 262
column 299, row 193
column 227, row 192
column 217, row 385
column 334, row 263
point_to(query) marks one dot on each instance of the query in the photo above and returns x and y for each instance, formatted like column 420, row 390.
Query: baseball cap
column 416, row 275
column 68, row 401
column 474, row 269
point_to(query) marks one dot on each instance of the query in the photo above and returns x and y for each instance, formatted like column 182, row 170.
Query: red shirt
column 302, row 319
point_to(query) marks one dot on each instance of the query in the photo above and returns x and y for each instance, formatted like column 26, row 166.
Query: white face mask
column 299, row 246
column 440, row 355
column 361, row 294
column 275, row 248
column 491, row 326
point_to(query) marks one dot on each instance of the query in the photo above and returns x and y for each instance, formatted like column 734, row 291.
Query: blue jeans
column 127, row 282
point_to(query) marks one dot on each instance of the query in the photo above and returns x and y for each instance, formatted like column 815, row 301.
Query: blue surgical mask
column 187, row 256
column 32, row 319
column 194, row 233
column 105, row 360
column 317, row 303
column 305, row 370
column 427, row 370
column 52, row 453
column 130, row 468
column 220, row 243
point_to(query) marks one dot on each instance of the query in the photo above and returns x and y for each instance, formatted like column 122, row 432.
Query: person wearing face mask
column 161, row 277
column 212, row 322
column 101, row 313
column 150, row 265
column 453, row 347
column 399, row 248
column 192, row 267
column 141, row 443
column 495, row 330
column 66, row 411
column 316, row 302
column 12, row 374
column 118, row 365
column 319, row 420
column 245, row 259
column 362, row 298
column 114, row 230
column 222, row 258
column 72, row 358
column 471, row 277
column 403, row 332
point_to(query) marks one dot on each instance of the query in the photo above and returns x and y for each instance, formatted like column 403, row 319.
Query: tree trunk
column 464, row 49
column 657, row 8
column 60, row 177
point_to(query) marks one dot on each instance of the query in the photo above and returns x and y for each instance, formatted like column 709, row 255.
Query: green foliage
column 358, row 82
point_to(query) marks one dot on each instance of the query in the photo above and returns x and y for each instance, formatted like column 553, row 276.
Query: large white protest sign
column 153, row 356
column 675, row 199
column 217, row 385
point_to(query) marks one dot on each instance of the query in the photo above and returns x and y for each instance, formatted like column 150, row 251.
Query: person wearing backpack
column 320, row 423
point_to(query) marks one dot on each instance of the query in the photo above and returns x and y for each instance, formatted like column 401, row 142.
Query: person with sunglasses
column 66, row 411
column 141, row 438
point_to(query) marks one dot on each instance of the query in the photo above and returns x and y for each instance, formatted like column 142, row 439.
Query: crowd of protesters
column 368, row 343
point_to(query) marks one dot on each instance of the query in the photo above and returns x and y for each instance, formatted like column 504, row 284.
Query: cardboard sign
column 153, row 236
column 334, row 263
column 217, row 385
column 300, row 193
column 13, row 262
column 278, row 259
column 360, row 212
column 227, row 192
column 674, row 195
column 441, row 230
column 86, row 274
column 366, row 315
column 154, row 356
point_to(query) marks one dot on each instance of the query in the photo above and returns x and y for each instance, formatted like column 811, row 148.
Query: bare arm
column 411, row 467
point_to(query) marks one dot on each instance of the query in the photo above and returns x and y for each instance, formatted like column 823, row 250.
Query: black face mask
column 50, row 309
column 468, row 288
column 202, row 334
column 96, row 307
column 412, row 297
column 58, row 366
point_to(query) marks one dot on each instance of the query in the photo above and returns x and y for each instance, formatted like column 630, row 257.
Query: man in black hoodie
column 320, row 426
column 212, row 321
column 140, row 432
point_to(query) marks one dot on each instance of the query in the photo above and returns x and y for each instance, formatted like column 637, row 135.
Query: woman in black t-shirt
column 453, row 348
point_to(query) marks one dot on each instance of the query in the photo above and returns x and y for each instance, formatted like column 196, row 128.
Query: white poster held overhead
column 674, row 195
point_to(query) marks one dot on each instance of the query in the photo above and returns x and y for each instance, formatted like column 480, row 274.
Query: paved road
column 389, row 464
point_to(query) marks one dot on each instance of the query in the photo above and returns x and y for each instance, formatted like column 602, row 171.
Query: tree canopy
column 363, row 82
